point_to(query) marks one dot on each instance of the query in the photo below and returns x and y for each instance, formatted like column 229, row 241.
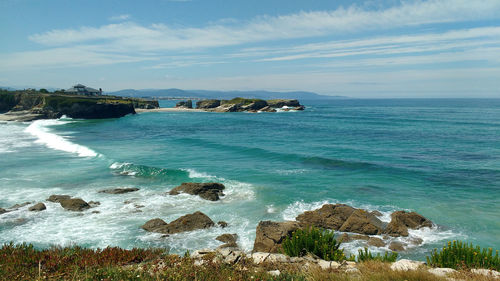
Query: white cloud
column 119, row 17
column 299, row 25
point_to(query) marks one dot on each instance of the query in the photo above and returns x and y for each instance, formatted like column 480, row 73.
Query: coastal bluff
column 29, row 105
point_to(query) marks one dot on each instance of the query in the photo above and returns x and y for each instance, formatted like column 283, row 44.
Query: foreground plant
column 316, row 241
column 365, row 255
column 460, row 255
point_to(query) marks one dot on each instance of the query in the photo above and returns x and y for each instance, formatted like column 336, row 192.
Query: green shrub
column 317, row 241
column 460, row 255
column 365, row 255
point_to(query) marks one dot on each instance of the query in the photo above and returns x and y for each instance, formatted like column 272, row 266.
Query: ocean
column 438, row 157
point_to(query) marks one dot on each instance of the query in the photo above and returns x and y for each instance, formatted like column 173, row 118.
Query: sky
column 365, row 49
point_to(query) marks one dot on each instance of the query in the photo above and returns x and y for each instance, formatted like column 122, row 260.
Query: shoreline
column 168, row 109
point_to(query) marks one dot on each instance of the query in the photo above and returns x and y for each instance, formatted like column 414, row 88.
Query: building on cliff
column 80, row 89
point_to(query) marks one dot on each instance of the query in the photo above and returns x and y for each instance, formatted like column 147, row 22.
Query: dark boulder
column 396, row 246
column 184, row 104
column 119, row 190
column 401, row 221
column 269, row 235
column 255, row 105
column 74, row 204
column 301, row 107
column 206, row 104
column 328, row 216
column 209, row 191
column 3, row 211
column 376, row 242
column 222, row 224
column 17, row 206
column 227, row 238
column 58, row 198
column 37, row 207
column 190, row 222
column 154, row 225
column 268, row 109
column 360, row 221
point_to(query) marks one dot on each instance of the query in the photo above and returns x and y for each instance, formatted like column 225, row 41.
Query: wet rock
column 96, row 212
column 74, row 204
column 138, row 206
column 376, row 242
column 58, row 198
column 17, row 206
column 222, row 224
column 359, row 237
column 376, row 213
column 206, row 104
column 270, row 235
column 401, row 221
column 416, row 241
column 360, row 221
column 328, row 216
column 397, row 246
column 3, row 211
column 185, row 104
column 154, row 225
column 209, row 191
column 118, row 190
column 267, row 109
column 406, row 265
column 94, row 203
column 197, row 220
column 37, row 207
column 227, row 238
column 300, row 108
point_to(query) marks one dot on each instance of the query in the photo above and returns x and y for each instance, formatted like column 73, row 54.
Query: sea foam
column 40, row 129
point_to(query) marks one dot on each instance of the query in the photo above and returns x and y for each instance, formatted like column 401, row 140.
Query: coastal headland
column 29, row 105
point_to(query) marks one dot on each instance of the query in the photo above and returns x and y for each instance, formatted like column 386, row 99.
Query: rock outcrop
column 184, row 104
column 74, row 204
column 227, row 238
column 401, row 221
column 209, row 191
column 278, row 103
column 3, row 211
column 37, row 207
column 328, row 216
column 30, row 105
column 207, row 104
column 360, row 221
column 190, row 222
column 118, row 190
column 269, row 235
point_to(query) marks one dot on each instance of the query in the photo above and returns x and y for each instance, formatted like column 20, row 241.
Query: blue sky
column 428, row 48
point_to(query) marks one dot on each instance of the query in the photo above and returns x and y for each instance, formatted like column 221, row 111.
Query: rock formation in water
column 248, row 105
column 208, row 190
column 190, row 222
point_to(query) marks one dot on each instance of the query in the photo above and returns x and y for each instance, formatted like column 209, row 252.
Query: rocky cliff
column 32, row 105
column 248, row 105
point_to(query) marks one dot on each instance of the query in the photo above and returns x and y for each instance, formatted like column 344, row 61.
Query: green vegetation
column 365, row 255
column 316, row 241
column 241, row 101
column 460, row 255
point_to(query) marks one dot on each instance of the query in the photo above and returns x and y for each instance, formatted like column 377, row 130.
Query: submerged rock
column 269, row 235
column 17, row 206
column 37, row 207
column 74, row 204
column 209, row 191
column 376, row 242
column 397, row 246
column 3, row 211
column 222, row 224
column 401, row 221
column 58, row 198
column 118, row 190
column 227, row 238
column 197, row 220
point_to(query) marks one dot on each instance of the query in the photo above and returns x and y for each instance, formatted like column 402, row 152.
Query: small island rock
column 197, row 220
column 119, row 190
column 209, row 191
column 401, row 221
column 58, row 198
column 74, row 204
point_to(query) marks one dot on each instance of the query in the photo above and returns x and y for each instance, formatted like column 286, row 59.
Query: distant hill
column 204, row 94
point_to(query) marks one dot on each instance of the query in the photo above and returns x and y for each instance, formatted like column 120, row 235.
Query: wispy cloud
column 119, row 17
column 300, row 25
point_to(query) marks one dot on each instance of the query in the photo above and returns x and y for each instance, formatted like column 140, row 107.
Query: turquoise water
column 440, row 158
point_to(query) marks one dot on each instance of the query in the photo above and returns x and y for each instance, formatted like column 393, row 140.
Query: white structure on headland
column 80, row 89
